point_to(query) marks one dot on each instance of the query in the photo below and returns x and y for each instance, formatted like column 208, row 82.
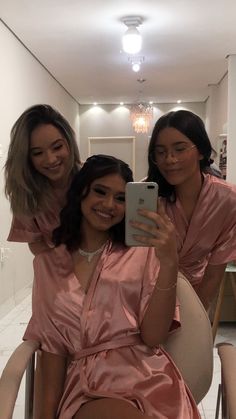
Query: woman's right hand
column 162, row 234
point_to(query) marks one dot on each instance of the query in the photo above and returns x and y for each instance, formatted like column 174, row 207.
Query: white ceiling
column 185, row 44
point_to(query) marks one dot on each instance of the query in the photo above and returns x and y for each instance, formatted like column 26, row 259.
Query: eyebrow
column 176, row 143
column 99, row 185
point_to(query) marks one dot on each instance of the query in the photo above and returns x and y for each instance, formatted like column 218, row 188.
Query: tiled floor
column 12, row 328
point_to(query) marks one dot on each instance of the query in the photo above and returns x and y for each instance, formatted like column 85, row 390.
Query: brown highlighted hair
column 27, row 189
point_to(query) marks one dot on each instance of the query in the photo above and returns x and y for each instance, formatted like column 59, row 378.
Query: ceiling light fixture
column 136, row 67
column 141, row 116
column 136, row 62
column 132, row 40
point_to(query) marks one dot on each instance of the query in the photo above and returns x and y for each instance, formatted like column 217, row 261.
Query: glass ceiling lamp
column 141, row 116
column 132, row 40
column 136, row 62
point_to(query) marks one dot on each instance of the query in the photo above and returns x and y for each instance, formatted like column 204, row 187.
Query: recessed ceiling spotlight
column 150, row 102
column 179, row 101
column 94, row 103
column 121, row 103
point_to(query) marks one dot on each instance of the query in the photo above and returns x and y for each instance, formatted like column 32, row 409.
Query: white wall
column 216, row 110
column 112, row 120
column 23, row 82
column 231, row 126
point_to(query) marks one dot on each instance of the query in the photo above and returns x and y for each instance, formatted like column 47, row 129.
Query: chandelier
column 141, row 116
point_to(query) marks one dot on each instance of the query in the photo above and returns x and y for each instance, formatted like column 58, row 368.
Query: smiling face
column 104, row 206
column 176, row 157
column 50, row 154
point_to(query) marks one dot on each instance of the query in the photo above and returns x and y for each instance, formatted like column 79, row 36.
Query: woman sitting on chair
column 101, row 316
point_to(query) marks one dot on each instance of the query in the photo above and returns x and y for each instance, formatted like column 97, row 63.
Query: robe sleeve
column 224, row 250
column 46, row 334
column 150, row 278
column 24, row 229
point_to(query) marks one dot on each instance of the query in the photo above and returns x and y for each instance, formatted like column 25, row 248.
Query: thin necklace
column 90, row 255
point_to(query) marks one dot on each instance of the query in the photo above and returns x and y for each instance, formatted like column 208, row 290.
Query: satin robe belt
column 134, row 339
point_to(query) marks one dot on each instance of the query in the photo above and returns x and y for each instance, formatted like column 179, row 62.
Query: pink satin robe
column 99, row 331
column 210, row 237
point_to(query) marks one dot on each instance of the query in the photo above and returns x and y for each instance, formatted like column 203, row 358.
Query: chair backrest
column 191, row 346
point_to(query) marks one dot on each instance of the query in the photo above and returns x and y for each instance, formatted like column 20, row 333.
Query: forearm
column 160, row 312
column 53, row 369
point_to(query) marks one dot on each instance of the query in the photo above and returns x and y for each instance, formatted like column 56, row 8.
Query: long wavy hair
column 95, row 167
column 27, row 190
column 192, row 127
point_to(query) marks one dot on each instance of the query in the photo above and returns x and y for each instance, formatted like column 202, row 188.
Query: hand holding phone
column 139, row 195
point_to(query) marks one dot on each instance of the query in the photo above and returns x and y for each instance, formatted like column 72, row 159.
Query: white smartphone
column 138, row 195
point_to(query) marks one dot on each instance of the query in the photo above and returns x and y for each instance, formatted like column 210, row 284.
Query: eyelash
column 36, row 153
column 103, row 193
column 58, row 146
column 99, row 191
column 175, row 149
column 178, row 148
column 120, row 199
column 55, row 148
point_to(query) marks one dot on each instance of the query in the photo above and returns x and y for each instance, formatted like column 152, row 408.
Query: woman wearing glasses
column 201, row 206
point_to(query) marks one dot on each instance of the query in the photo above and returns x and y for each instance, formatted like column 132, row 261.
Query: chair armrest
column 227, row 354
column 12, row 376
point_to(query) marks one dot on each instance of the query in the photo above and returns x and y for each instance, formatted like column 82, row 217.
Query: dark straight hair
column 192, row 127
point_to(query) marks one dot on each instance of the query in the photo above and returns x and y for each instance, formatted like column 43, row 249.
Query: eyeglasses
column 179, row 152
